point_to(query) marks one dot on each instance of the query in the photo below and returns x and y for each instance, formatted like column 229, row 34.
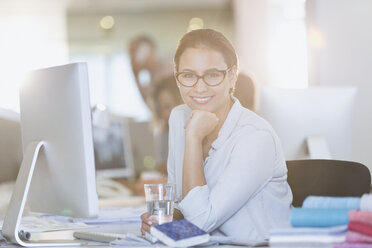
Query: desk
column 133, row 228
column 123, row 228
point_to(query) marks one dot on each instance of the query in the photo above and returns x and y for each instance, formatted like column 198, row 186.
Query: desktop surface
column 132, row 228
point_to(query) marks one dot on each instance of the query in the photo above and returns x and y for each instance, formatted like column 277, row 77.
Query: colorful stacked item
column 325, row 220
column 359, row 232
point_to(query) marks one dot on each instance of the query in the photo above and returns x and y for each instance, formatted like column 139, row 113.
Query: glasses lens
column 214, row 77
column 187, row 78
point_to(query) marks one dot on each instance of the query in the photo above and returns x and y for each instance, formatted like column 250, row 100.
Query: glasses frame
column 202, row 77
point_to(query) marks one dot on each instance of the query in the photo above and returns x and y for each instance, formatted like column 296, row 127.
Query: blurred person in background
column 166, row 96
column 147, row 69
column 156, row 83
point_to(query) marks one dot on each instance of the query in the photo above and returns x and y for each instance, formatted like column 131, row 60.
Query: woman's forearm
column 193, row 173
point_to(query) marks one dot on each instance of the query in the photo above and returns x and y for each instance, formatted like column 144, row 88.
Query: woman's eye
column 213, row 75
column 188, row 75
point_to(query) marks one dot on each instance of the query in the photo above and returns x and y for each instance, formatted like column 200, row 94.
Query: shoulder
column 252, row 128
column 253, row 133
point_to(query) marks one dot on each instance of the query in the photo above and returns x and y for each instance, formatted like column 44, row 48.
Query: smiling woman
column 226, row 162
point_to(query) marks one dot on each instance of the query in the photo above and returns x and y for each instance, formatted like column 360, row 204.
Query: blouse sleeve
column 251, row 166
column 171, row 159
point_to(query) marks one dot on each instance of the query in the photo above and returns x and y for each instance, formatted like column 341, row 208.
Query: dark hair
column 206, row 38
column 142, row 39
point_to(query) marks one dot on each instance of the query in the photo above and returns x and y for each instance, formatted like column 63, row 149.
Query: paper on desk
column 2, row 240
column 35, row 224
column 107, row 216
column 133, row 240
column 228, row 240
column 309, row 230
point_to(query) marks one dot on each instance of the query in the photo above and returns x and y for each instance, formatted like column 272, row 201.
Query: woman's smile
column 202, row 100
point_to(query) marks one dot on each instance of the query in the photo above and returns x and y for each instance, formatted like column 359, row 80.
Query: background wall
column 339, row 51
column 251, row 25
column 38, row 33
column 106, row 51
column 32, row 35
column 342, row 55
column 165, row 26
column 271, row 41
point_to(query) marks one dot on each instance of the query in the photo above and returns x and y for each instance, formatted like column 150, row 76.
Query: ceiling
column 141, row 5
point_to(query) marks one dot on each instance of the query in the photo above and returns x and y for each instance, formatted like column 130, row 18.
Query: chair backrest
column 327, row 178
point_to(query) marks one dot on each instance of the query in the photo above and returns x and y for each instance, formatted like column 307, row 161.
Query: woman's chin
column 201, row 107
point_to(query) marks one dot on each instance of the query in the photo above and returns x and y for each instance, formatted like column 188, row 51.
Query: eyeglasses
column 211, row 78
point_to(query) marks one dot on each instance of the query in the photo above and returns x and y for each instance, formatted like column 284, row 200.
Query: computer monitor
column 311, row 123
column 112, row 145
column 143, row 146
column 57, row 174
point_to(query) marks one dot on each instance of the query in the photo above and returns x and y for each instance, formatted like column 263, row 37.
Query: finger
column 145, row 227
column 144, row 217
column 153, row 220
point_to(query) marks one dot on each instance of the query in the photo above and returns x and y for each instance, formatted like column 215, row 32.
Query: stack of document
column 307, row 235
column 321, row 220
column 359, row 229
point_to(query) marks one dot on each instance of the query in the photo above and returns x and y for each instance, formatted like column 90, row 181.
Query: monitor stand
column 318, row 147
column 13, row 216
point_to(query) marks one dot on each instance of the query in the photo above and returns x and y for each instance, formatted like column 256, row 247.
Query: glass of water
column 160, row 202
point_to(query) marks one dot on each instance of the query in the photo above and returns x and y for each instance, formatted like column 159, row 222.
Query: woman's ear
column 175, row 78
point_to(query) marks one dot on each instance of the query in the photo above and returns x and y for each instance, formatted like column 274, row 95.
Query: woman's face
column 213, row 99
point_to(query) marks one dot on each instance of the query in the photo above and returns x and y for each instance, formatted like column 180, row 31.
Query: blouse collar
column 229, row 124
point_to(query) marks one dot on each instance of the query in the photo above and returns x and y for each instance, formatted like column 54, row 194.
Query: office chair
column 327, row 178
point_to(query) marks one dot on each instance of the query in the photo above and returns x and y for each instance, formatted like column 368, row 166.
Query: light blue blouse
column 247, row 192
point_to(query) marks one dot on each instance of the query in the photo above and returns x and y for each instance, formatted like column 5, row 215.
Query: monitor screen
column 112, row 145
column 296, row 115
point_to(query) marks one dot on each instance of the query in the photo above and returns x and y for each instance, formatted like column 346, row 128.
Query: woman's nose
column 200, row 85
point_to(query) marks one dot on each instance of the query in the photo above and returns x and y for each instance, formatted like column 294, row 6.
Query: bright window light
column 112, row 84
column 27, row 43
column 287, row 44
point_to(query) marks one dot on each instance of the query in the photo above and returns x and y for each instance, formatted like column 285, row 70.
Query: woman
column 226, row 162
